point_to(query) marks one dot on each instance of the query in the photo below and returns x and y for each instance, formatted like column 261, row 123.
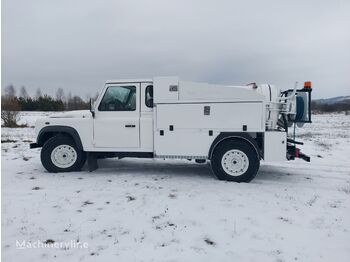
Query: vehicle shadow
column 153, row 167
column 273, row 173
column 182, row 168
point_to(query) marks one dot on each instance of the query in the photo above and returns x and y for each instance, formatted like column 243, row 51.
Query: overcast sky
column 79, row 44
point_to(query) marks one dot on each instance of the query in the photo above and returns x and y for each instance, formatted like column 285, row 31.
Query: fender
column 240, row 135
column 59, row 130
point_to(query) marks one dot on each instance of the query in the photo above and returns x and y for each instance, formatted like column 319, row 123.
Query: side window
column 119, row 98
column 149, row 96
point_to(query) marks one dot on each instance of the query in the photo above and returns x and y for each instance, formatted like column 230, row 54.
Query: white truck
column 233, row 127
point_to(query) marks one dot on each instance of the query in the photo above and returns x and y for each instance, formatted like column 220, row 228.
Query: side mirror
column 92, row 108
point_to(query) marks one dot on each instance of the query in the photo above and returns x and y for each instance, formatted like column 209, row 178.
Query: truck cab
column 233, row 127
column 123, row 117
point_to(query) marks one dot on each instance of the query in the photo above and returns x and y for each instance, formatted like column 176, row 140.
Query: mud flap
column 92, row 161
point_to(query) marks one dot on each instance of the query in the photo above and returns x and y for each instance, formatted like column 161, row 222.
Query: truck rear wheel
column 60, row 154
column 235, row 160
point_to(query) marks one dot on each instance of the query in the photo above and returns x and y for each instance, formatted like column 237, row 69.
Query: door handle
column 129, row 125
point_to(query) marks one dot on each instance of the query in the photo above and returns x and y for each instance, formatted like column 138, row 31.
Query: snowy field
column 155, row 210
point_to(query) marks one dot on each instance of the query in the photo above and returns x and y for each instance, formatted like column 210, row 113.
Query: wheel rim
column 235, row 162
column 64, row 156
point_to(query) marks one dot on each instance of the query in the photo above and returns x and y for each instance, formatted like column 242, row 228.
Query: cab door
column 117, row 117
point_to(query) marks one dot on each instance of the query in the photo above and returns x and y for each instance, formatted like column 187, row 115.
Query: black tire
column 240, row 145
column 54, row 142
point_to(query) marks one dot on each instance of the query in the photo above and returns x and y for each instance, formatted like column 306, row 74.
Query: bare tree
column 94, row 98
column 38, row 93
column 60, row 94
column 23, row 93
column 9, row 110
column 88, row 97
column 68, row 98
column 10, row 91
column 76, row 103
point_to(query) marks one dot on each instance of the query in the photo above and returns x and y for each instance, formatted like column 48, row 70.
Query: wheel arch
column 224, row 136
column 50, row 131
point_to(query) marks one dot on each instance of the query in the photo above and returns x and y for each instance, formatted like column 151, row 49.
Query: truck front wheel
column 235, row 160
column 60, row 154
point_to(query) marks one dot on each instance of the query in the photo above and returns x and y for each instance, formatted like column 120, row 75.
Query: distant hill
column 333, row 104
column 332, row 100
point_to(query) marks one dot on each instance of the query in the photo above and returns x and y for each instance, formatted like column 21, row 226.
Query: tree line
column 12, row 103
column 22, row 101
column 341, row 106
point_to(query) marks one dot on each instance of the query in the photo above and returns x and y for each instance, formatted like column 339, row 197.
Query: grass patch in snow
column 172, row 196
column 87, row 202
column 7, row 140
column 324, row 145
column 209, row 242
column 131, row 198
column 345, row 189
column 16, row 126
column 308, row 135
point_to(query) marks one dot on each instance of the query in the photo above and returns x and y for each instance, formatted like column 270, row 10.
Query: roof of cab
column 119, row 81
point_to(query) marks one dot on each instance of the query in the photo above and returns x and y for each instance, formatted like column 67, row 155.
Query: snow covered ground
column 155, row 210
